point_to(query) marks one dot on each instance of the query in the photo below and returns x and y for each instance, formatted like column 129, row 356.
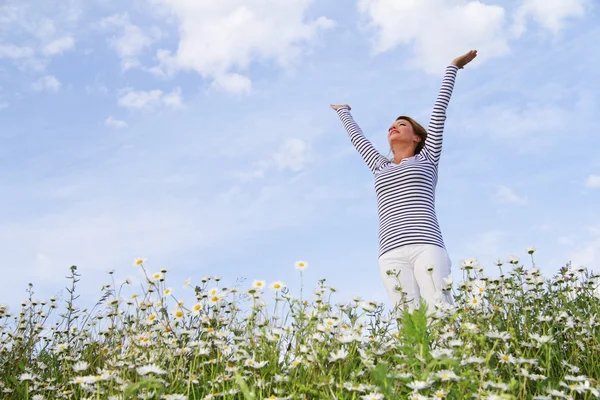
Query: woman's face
column 402, row 131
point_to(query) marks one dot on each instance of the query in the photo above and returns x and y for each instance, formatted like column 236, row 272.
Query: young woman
column 412, row 258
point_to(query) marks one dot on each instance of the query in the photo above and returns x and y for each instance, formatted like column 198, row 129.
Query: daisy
column 150, row 369
column 418, row 385
column 258, row 284
column 196, row 309
column 168, row 292
column 26, row 377
column 447, row 375
column 178, row 313
column 157, row 276
column 372, row 396
column 80, row 366
column 301, row 265
column 139, row 261
column 341, row 354
column 277, row 285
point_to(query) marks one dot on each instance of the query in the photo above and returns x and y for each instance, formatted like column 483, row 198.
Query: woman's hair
column 419, row 131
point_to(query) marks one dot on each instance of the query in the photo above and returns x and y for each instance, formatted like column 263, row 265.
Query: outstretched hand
column 463, row 60
column 338, row 106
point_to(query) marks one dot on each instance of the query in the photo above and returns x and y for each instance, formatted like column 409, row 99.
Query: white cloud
column 593, row 181
column 551, row 14
column 145, row 100
column 15, row 52
column 438, row 30
column 233, row 83
column 115, row 123
column 527, row 127
column 506, row 195
column 47, row 83
column 173, row 99
column 59, row 46
column 294, row 154
column 131, row 40
column 221, row 39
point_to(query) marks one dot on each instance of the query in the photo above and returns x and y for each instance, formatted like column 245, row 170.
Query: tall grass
column 516, row 335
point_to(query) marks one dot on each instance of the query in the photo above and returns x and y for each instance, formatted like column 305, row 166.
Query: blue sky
column 198, row 135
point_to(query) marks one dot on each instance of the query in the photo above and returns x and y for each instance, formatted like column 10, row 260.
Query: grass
column 516, row 335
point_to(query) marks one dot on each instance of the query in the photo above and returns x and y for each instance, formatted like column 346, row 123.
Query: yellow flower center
column 179, row 314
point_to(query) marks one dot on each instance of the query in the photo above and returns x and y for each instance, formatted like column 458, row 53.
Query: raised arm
column 432, row 149
column 372, row 157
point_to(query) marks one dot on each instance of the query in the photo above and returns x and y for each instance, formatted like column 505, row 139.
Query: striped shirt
column 406, row 191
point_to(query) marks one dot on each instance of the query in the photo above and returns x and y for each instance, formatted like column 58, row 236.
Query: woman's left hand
column 466, row 58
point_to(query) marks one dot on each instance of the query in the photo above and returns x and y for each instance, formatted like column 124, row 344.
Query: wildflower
column 372, row 396
column 472, row 360
column 447, row 375
column 341, row 354
column 513, row 259
column 196, row 309
column 175, row 397
column 496, row 385
column 301, row 265
column 178, row 313
column 277, row 285
column 26, row 377
column 478, row 287
column 168, row 292
column 440, row 394
column 257, row 284
column 418, row 385
column 157, row 276
column 80, row 366
column 367, row 306
column 468, row 264
column 439, row 353
column 60, row 348
column 557, row 393
column 139, row 261
column 541, row 339
column 498, row 335
column 506, row 358
column 255, row 364
column 150, row 369
column 531, row 250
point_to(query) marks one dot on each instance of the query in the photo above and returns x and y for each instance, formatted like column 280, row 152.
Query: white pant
column 417, row 270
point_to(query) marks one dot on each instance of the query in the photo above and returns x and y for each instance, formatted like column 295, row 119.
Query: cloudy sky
column 198, row 134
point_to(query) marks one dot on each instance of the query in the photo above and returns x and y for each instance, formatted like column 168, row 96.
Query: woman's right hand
column 338, row 106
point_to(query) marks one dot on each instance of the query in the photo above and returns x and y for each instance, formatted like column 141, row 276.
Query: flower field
column 513, row 335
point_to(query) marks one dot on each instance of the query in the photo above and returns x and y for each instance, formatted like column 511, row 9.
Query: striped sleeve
column 372, row 157
column 433, row 144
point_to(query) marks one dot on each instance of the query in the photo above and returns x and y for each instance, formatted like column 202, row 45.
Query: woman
column 412, row 258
